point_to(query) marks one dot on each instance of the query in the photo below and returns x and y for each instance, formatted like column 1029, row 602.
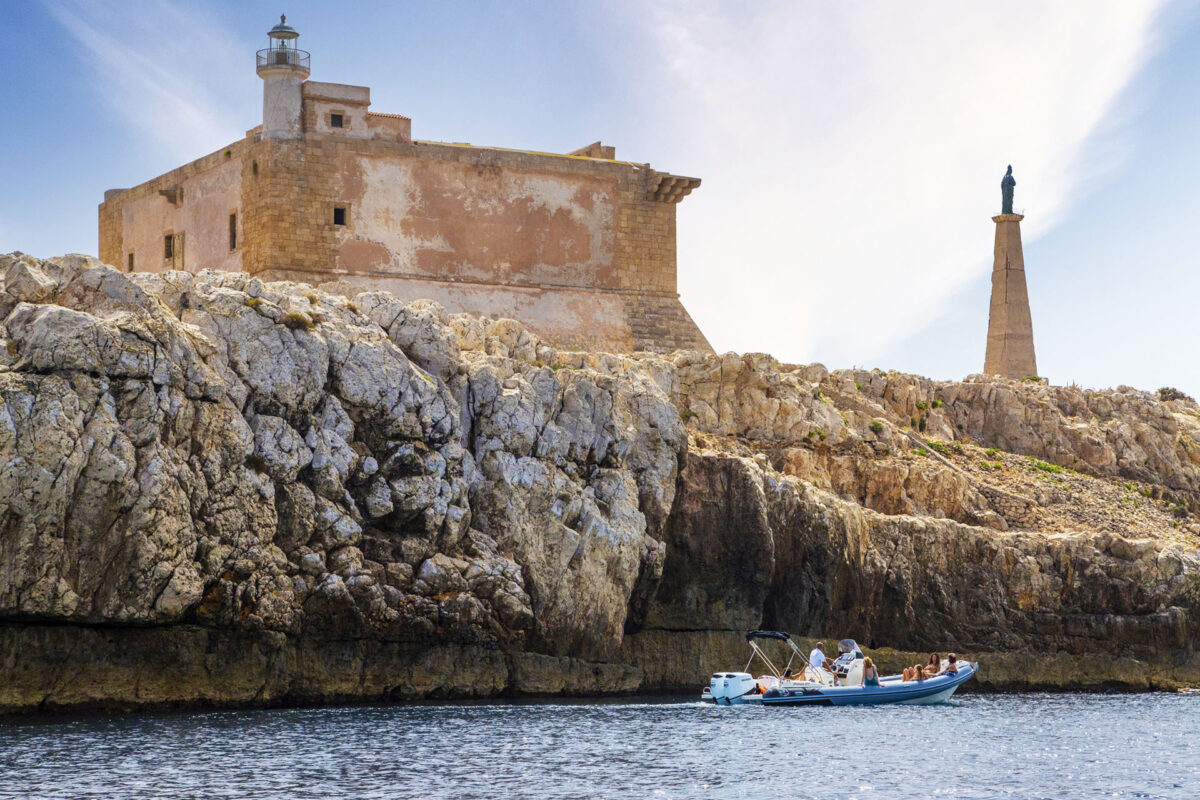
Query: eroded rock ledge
column 218, row 492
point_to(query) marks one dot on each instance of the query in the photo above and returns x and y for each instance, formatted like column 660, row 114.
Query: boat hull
column 927, row 692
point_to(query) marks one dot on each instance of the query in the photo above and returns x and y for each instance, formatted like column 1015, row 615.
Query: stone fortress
column 580, row 247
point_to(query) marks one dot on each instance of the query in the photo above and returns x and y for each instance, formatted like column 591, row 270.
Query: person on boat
column 818, row 661
column 934, row 666
column 907, row 675
column 952, row 664
column 870, row 675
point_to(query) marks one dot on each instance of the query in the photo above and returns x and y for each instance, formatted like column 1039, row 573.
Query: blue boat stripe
column 907, row 694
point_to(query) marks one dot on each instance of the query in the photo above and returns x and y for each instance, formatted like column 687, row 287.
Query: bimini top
column 783, row 637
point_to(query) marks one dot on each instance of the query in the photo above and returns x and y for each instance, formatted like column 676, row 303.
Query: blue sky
column 851, row 152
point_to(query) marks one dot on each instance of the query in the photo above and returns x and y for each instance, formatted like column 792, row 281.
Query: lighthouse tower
column 283, row 69
column 1010, row 327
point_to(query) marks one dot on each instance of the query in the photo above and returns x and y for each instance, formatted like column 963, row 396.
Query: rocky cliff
column 217, row 491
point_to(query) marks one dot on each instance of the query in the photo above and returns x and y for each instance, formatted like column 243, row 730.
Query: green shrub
column 1031, row 379
column 991, row 452
column 312, row 298
column 912, row 422
column 921, row 451
column 1042, row 466
column 876, row 427
column 858, row 386
column 937, row 403
column 921, row 424
column 254, row 302
column 922, row 405
column 816, row 433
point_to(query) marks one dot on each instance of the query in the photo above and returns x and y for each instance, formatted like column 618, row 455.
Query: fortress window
column 335, row 120
column 131, row 262
column 168, row 246
column 233, row 231
column 339, row 215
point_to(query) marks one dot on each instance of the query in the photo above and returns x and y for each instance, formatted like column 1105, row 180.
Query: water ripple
column 1014, row 746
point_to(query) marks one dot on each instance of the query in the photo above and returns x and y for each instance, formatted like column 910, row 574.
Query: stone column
column 1010, row 326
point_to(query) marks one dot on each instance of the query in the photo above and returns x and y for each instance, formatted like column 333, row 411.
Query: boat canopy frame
column 755, row 650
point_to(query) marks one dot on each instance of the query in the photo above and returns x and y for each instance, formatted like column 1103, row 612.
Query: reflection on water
column 1018, row 746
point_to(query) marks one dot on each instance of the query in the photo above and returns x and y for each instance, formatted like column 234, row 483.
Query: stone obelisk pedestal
column 1010, row 327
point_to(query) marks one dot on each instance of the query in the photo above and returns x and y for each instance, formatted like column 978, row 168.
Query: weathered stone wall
column 475, row 228
column 199, row 198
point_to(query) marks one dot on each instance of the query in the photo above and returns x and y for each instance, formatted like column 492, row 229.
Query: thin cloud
column 163, row 67
column 852, row 153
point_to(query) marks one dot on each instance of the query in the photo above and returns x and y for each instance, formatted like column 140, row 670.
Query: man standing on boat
column 818, row 661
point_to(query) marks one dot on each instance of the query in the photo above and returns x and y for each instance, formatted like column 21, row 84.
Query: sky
column 851, row 153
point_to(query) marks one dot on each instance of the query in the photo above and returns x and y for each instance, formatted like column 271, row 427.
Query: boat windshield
column 847, row 646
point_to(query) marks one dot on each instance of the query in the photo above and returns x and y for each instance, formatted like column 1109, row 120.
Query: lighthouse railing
column 283, row 57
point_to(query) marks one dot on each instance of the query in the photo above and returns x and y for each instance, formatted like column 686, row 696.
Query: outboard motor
column 848, row 665
column 728, row 687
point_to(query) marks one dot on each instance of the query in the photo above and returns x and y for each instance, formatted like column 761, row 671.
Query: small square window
column 335, row 120
column 130, row 262
column 168, row 246
column 339, row 215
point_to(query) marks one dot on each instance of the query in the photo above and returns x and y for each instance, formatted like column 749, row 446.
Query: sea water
column 978, row 746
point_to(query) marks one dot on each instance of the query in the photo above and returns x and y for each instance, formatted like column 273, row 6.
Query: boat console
column 848, row 665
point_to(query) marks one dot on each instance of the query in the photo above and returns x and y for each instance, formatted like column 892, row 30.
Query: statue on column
column 1006, row 191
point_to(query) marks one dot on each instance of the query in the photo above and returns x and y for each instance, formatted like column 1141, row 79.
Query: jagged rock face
column 213, row 450
column 853, row 432
column 748, row 547
column 720, row 550
column 215, row 490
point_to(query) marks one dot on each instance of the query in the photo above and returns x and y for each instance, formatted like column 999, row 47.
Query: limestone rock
column 215, row 490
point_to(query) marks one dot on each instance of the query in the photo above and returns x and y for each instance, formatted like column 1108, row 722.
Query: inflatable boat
column 891, row 689
column 840, row 686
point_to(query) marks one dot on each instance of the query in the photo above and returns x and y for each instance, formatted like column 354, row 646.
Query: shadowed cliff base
column 221, row 492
